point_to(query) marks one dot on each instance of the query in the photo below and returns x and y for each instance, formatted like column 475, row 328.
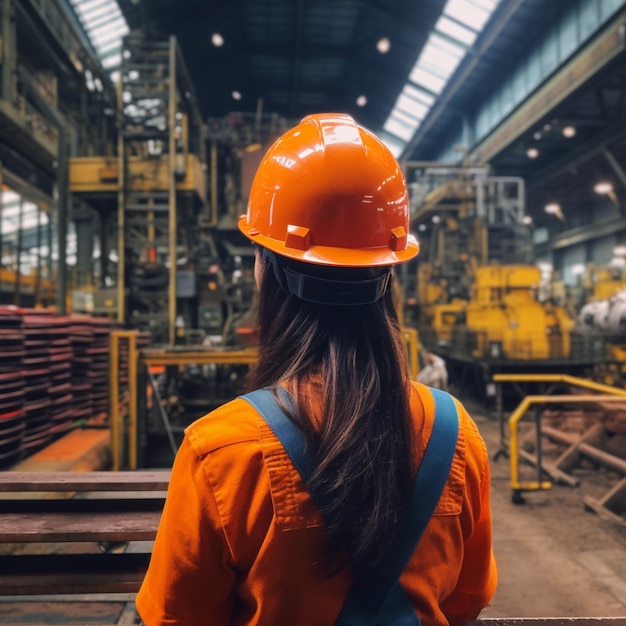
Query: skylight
column 105, row 26
column 450, row 41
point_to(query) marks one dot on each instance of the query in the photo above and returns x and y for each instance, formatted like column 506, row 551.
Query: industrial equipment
column 480, row 300
column 153, row 192
column 505, row 319
column 602, row 318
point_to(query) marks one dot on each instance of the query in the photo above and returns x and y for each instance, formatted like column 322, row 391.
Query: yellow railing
column 606, row 393
column 120, row 426
column 412, row 344
column 583, row 383
column 519, row 414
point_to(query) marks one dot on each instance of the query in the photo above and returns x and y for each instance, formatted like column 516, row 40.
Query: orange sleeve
column 478, row 577
column 190, row 580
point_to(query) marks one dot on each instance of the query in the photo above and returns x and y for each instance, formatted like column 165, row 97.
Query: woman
column 244, row 538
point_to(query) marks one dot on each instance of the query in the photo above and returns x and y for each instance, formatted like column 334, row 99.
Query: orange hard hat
column 329, row 192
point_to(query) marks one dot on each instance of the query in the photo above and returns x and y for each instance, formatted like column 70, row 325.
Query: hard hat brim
column 332, row 255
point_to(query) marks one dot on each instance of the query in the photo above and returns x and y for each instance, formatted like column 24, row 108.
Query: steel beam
column 587, row 63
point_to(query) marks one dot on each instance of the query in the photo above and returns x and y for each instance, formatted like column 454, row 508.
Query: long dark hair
column 363, row 474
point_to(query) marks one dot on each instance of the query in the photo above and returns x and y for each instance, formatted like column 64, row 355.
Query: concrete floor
column 555, row 558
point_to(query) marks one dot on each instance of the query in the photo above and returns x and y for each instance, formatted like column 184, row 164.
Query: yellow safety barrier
column 411, row 339
column 511, row 447
column 519, row 414
column 117, row 420
column 575, row 381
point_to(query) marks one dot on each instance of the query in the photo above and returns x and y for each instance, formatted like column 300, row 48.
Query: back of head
column 329, row 210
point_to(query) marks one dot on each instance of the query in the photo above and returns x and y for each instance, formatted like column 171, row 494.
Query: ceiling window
column 105, row 26
column 447, row 45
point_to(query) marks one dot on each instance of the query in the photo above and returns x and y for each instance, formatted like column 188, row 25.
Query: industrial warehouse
column 221, row 223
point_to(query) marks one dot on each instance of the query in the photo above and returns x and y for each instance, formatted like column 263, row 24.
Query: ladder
column 148, row 149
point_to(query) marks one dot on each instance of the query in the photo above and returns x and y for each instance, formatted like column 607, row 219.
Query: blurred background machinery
column 481, row 301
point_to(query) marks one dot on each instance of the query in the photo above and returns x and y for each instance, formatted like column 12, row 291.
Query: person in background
column 248, row 537
column 434, row 373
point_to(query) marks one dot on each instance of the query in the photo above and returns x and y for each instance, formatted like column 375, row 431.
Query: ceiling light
column 236, row 95
column 436, row 219
column 532, row 153
column 537, row 136
column 603, row 187
column 361, row 101
column 553, row 208
column 527, row 219
column 422, row 227
column 217, row 40
column 619, row 251
column 569, row 131
column 383, row 45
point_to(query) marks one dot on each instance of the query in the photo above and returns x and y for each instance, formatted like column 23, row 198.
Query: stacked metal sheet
column 81, row 335
column 12, row 384
column 37, row 326
column 99, row 366
column 61, row 355
column 54, row 376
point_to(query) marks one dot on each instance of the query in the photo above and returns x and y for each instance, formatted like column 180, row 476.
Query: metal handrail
column 116, row 419
column 517, row 416
column 575, row 381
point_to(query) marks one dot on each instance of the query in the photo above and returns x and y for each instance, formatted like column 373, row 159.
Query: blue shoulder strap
column 382, row 600
column 285, row 429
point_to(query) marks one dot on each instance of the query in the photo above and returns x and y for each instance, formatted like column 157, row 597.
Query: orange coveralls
column 240, row 540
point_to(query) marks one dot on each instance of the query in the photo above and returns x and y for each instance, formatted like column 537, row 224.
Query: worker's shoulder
column 232, row 424
column 469, row 433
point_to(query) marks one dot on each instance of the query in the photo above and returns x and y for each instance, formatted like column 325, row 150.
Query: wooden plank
column 79, row 582
column 42, row 574
column 84, row 481
column 108, row 526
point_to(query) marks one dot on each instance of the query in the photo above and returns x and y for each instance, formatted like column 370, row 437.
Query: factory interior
column 130, row 133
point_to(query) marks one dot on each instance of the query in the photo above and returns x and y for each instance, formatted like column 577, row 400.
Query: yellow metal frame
column 517, row 416
column 584, row 383
column 411, row 338
column 199, row 357
column 116, row 419
column 100, row 175
column 609, row 393
column 173, row 217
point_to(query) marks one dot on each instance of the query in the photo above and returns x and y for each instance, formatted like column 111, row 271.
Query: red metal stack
column 12, row 384
column 61, row 356
column 81, row 335
column 54, row 376
column 99, row 365
column 37, row 326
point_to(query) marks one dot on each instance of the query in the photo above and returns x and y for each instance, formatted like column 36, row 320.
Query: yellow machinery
column 480, row 300
column 154, row 189
column 602, row 283
column 507, row 321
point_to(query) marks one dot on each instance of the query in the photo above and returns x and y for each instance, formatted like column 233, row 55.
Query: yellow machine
column 506, row 320
column 479, row 302
column 602, row 283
